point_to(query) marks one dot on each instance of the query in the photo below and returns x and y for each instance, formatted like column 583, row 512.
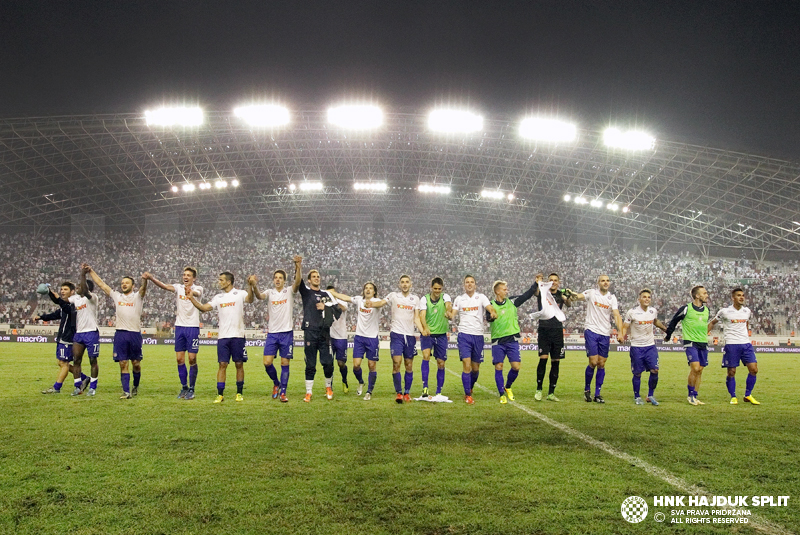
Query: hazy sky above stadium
column 725, row 73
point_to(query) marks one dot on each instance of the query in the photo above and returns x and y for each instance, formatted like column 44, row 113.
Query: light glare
column 175, row 189
column 356, row 117
column 433, row 188
column 219, row 184
column 188, row 187
column 630, row 140
column 596, row 203
column 625, row 209
column 235, row 183
column 551, row 130
column 454, row 121
column 181, row 116
column 567, row 198
column 311, row 186
column 370, row 186
column 492, row 194
column 263, row 115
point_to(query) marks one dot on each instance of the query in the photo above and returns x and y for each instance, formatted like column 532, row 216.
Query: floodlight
column 235, row 183
column 567, row 198
column 263, row 114
column 310, row 186
column 630, row 140
column 551, row 130
column 612, row 206
column 433, row 188
column 596, row 203
column 581, row 200
column 181, row 116
column 492, row 194
column 454, row 121
column 292, row 187
column 370, row 186
column 174, row 189
column 510, row 196
column 205, row 185
column 625, row 209
column 219, row 184
column 188, row 187
column 356, row 117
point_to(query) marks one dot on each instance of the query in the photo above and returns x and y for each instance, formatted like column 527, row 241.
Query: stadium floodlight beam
column 581, row 200
column 567, row 197
column 263, row 115
column 612, row 206
column 630, row 140
column 356, row 116
column 174, row 189
column 179, row 116
column 205, row 185
column 370, row 186
column 510, row 196
column 596, row 203
column 219, row 184
column 550, row 130
column 188, row 187
column 625, row 209
column 310, row 186
column 492, row 194
column 433, row 188
column 454, row 121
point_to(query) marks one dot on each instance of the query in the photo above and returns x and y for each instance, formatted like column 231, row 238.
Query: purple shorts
column 696, row 354
column 437, row 342
column 187, row 339
column 596, row 344
column 365, row 346
column 91, row 341
column 339, row 349
column 643, row 359
column 506, row 349
column 231, row 349
column 403, row 344
column 127, row 345
column 64, row 352
column 282, row 343
column 733, row 354
column 470, row 346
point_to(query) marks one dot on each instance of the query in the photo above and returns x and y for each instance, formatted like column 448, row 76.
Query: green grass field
column 156, row 464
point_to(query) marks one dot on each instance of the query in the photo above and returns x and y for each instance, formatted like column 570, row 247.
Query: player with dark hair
column 434, row 310
column 230, row 340
column 87, row 335
column 187, row 329
column 66, row 331
column 600, row 306
column 738, row 348
column 280, row 335
column 694, row 319
column 470, row 307
column 550, row 337
column 402, row 341
column 365, row 343
column 128, row 336
column 505, row 335
column 320, row 310
column 339, row 342
column 639, row 322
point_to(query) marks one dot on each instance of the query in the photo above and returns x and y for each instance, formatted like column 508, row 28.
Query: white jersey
column 279, row 307
column 403, row 310
column 129, row 310
column 734, row 324
column 368, row 320
column 86, row 312
column 339, row 326
column 641, row 322
column 598, row 311
column 470, row 313
column 187, row 315
column 230, row 306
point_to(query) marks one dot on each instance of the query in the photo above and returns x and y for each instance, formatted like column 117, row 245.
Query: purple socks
column 183, row 374
column 425, row 368
column 498, row 380
column 751, row 382
column 273, row 374
column 409, row 378
column 284, row 378
column 439, row 381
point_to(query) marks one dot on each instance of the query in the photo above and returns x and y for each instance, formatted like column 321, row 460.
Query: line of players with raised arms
column 325, row 333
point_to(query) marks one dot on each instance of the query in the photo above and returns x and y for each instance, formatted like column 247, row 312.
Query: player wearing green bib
column 505, row 336
column 694, row 319
column 434, row 310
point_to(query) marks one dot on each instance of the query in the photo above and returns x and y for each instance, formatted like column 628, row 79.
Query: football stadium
column 422, row 204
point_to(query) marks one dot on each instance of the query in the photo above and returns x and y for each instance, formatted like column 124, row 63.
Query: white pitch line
column 756, row 521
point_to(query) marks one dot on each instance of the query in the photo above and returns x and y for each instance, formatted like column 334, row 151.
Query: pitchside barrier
column 255, row 337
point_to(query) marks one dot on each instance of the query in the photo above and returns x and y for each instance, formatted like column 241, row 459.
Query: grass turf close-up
column 158, row 464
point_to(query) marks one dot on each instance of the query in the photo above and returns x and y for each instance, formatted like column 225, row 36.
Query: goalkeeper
column 550, row 337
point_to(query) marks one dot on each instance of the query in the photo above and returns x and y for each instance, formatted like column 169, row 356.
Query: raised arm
column 298, row 273
column 143, row 287
column 98, row 281
column 252, row 281
column 167, row 287
column 340, row 297
column 519, row 300
column 250, row 297
column 197, row 304
column 83, row 288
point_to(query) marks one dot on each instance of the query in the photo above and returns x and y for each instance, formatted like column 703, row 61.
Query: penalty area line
column 756, row 521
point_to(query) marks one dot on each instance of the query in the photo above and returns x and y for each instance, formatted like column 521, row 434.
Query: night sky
column 726, row 74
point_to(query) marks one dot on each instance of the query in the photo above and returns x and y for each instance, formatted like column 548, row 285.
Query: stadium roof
column 58, row 170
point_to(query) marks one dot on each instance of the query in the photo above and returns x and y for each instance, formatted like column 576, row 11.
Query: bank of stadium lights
column 178, row 116
column 454, row 121
column 370, row 186
column 434, row 188
column 496, row 195
column 308, row 186
column 356, row 116
column 596, row 203
column 630, row 140
column 263, row 115
column 548, row 130
column 218, row 184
